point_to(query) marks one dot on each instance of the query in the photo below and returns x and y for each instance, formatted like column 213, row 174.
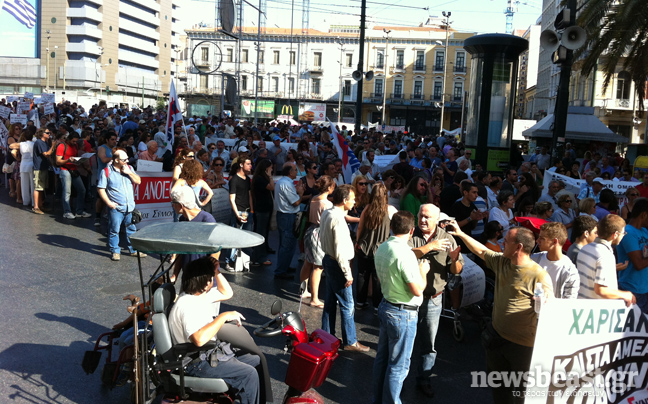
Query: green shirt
column 396, row 266
column 412, row 204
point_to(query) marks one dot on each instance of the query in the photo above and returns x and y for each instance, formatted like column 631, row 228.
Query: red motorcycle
column 311, row 356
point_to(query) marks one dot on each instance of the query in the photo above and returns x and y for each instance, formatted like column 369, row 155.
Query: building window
column 229, row 57
column 437, row 90
column 400, row 59
column 244, row 56
column 293, row 58
column 291, row 84
column 420, row 60
column 203, row 83
column 623, row 86
column 317, row 59
column 204, row 54
column 439, row 60
column 275, row 57
column 349, row 60
column 418, row 90
column 460, row 62
column 316, row 85
column 457, row 92
column 244, row 83
column 260, row 84
column 378, row 87
column 261, row 56
column 398, row 89
column 380, row 59
column 275, row 84
column 347, row 88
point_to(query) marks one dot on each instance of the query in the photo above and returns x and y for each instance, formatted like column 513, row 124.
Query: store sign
column 312, row 112
column 265, row 109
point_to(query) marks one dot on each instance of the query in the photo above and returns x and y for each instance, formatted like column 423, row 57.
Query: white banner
column 12, row 98
column 48, row 108
column 473, row 279
column 29, row 96
column 18, row 118
column 385, row 162
column 589, row 351
column 221, row 207
column 573, row 185
column 4, row 112
column 23, row 107
column 48, row 98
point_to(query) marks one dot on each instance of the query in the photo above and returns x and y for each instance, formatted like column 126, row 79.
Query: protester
column 633, row 249
column 288, row 197
column 66, row 153
column 263, row 186
column 584, row 231
column 564, row 274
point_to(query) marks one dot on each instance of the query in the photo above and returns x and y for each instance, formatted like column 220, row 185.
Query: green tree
column 617, row 32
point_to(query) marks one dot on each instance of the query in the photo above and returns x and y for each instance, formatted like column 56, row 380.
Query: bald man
column 448, row 260
column 150, row 153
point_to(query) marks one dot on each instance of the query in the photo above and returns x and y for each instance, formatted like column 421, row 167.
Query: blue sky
column 481, row 16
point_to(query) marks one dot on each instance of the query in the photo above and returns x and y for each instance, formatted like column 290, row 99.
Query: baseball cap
column 242, row 149
column 276, row 138
column 184, row 196
column 443, row 217
column 142, row 121
column 366, row 163
column 599, row 180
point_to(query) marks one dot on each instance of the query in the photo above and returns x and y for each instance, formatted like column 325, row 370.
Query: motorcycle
column 311, row 356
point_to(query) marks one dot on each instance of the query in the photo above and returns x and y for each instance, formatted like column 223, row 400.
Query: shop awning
column 581, row 125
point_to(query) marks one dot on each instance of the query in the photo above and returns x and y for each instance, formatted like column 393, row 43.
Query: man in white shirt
column 564, row 274
column 287, row 198
column 338, row 249
column 596, row 264
column 551, row 195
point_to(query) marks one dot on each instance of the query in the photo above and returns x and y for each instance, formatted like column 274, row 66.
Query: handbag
column 8, row 168
column 136, row 216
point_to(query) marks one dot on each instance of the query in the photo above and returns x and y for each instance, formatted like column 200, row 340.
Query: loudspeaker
column 357, row 75
column 549, row 40
column 574, row 37
column 369, row 76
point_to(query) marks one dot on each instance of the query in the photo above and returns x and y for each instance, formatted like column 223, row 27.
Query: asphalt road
column 60, row 291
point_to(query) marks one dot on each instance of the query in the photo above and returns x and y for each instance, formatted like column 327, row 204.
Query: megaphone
column 357, row 75
column 549, row 40
column 369, row 75
column 573, row 37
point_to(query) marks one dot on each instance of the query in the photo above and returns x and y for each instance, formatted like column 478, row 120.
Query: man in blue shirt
column 633, row 250
column 115, row 188
column 288, row 198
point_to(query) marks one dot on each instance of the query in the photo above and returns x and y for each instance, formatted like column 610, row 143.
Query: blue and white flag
column 24, row 12
column 173, row 115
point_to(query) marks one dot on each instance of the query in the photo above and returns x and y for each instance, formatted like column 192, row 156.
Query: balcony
column 622, row 103
column 417, row 96
column 435, row 97
column 84, row 30
column 459, row 69
column 396, row 96
column 419, row 67
column 315, row 69
column 457, row 98
column 85, row 12
column 376, row 95
column 315, row 96
column 438, row 68
column 379, row 66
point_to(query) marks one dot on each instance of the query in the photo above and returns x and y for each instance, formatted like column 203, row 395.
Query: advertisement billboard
column 312, row 112
column 265, row 109
column 18, row 28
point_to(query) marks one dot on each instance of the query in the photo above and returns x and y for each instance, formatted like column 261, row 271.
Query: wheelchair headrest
column 163, row 298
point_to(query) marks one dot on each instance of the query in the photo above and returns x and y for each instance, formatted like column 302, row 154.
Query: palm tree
column 617, row 31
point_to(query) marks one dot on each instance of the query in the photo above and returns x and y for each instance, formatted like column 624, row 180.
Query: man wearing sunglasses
column 42, row 151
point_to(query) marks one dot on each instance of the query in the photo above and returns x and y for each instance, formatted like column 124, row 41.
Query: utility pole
column 445, row 69
column 55, row 75
column 256, row 87
column 363, row 17
column 340, row 95
column 47, row 58
column 386, row 67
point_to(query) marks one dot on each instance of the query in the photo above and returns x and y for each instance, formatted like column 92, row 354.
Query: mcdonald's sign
column 287, row 110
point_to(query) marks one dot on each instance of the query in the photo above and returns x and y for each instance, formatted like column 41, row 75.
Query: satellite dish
column 227, row 14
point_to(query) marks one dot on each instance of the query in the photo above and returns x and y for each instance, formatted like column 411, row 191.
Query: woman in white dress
column 503, row 213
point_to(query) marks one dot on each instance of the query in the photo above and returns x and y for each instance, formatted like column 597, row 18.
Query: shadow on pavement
column 57, row 240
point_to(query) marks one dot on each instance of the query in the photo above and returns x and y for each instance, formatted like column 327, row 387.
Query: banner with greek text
column 153, row 198
column 573, row 185
column 586, row 351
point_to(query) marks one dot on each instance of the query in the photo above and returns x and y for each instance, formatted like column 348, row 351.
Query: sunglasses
column 190, row 156
column 218, row 165
column 364, row 184
column 633, row 194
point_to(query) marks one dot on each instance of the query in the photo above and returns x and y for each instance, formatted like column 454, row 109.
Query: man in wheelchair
column 191, row 320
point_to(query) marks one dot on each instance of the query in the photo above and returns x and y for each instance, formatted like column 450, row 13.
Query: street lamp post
column 99, row 72
column 55, row 75
column 340, row 95
column 386, row 67
column 47, row 58
column 445, row 70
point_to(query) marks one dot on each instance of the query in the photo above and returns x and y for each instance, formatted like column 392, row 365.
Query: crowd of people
column 399, row 234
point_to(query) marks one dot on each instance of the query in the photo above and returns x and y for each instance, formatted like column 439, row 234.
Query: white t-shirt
column 596, row 265
column 503, row 218
column 190, row 313
column 564, row 275
column 27, row 155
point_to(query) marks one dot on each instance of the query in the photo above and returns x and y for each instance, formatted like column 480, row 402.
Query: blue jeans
column 428, row 325
column 230, row 255
column 67, row 182
column 395, row 344
column 239, row 373
column 336, row 292
column 262, row 228
column 115, row 220
column 287, row 241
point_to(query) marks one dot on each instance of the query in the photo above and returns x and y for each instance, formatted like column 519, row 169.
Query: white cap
column 184, row 196
column 599, row 180
column 443, row 217
column 243, row 149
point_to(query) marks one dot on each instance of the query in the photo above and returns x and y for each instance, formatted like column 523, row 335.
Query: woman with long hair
column 305, row 151
column 215, row 178
column 26, row 150
column 543, row 210
column 182, row 156
column 373, row 230
column 262, row 198
column 396, row 190
column 360, row 186
column 631, row 194
column 493, row 231
column 191, row 176
column 415, row 195
column 15, row 131
column 575, row 171
column 301, row 167
column 436, row 187
column 313, row 253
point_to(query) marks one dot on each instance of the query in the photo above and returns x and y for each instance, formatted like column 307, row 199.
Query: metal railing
column 459, row 69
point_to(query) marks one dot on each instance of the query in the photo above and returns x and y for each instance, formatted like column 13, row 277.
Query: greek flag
column 24, row 12
column 350, row 162
column 173, row 116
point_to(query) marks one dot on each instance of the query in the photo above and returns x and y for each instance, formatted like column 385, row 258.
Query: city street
column 61, row 290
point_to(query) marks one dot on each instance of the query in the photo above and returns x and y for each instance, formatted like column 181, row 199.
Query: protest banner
column 48, row 98
column 221, row 206
column 4, row 112
column 29, row 96
column 586, row 351
column 573, row 185
column 48, row 108
column 385, row 162
column 18, row 118
column 153, row 198
column 473, row 280
column 12, row 98
column 23, row 107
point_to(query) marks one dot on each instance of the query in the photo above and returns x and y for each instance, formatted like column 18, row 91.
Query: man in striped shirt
column 597, row 266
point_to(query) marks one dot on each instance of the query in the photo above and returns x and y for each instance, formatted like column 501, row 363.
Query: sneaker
column 84, row 215
column 229, row 268
column 134, row 254
column 357, row 347
column 115, row 257
column 69, row 215
column 97, row 222
column 361, row 306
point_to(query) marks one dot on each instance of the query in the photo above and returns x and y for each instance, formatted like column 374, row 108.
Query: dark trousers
column 261, row 227
column 367, row 275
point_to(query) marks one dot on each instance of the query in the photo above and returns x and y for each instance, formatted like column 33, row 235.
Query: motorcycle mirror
column 276, row 307
column 303, row 287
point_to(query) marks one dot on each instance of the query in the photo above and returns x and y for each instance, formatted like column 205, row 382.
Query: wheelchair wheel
column 458, row 332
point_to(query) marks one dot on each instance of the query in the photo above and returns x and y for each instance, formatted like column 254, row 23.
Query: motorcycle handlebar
column 270, row 329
